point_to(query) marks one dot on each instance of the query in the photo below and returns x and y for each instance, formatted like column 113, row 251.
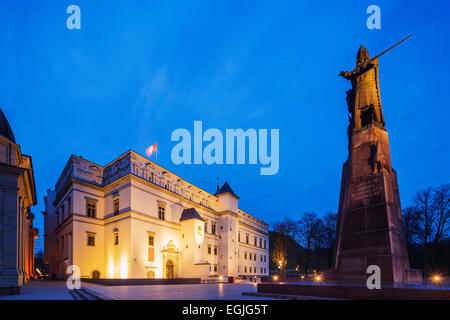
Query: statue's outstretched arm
column 345, row 74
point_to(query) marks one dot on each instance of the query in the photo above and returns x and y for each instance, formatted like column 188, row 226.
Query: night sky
column 137, row 70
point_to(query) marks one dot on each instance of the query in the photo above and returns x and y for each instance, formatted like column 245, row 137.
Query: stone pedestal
column 370, row 223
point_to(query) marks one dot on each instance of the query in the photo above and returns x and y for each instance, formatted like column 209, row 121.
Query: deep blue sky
column 137, row 70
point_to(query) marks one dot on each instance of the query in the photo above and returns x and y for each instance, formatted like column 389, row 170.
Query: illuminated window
column 116, row 206
column 90, row 240
column 161, row 212
column 91, row 208
column 151, row 240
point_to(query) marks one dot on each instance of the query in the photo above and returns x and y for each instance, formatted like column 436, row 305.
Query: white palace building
column 134, row 219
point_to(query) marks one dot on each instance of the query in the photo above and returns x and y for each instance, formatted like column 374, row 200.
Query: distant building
column 134, row 219
column 17, row 195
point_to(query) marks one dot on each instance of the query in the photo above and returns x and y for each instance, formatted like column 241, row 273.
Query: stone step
column 84, row 294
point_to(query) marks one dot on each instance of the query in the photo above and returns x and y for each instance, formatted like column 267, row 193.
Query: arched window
column 150, row 275
column 95, row 274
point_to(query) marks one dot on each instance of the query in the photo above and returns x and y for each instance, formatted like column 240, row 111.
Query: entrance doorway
column 170, row 272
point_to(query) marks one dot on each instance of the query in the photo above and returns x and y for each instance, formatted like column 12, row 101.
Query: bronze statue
column 363, row 100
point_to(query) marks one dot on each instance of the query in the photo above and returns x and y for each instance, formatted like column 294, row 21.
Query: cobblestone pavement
column 42, row 290
column 177, row 292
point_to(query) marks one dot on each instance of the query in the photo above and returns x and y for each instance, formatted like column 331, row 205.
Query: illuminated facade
column 17, row 195
column 134, row 219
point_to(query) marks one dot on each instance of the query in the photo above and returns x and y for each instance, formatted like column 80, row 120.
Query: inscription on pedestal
column 366, row 190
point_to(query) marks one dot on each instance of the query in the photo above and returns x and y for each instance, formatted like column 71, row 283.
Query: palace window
column 254, row 269
column 116, row 205
column 215, row 268
column 209, row 249
column 265, row 244
column 151, row 247
column 116, row 238
column 57, row 245
column 206, row 226
column 69, row 206
column 57, row 218
column 91, row 240
column 245, row 269
column 256, row 241
column 246, row 238
column 261, row 258
column 245, row 255
column 91, row 208
column 239, row 237
column 215, row 251
column 161, row 212
column 213, row 228
column 250, row 256
column 260, row 242
column 62, row 213
column 62, row 243
column 151, row 240
column 255, row 257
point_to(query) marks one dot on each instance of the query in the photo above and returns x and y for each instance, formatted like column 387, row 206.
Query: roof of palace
column 5, row 129
column 189, row 214
column 226, row 188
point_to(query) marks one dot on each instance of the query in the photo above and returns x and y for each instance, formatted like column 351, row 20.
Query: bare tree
column 411, row 222
column 307, row 226
column 441, row 205
column 319, row 238
column 281, row 246
column 425, row 215
column 330, row 228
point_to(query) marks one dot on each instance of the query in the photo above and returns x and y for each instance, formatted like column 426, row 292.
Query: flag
column 149, row 151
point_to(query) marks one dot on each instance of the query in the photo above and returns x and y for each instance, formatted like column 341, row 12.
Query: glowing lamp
column 436, row 278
